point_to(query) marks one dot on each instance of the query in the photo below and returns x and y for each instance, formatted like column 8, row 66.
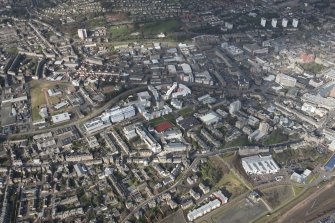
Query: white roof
column 259, row 165
column 210, row 117
column 61, row 117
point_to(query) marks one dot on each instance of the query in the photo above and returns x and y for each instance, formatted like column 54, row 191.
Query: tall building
column 82, row 34
column 264, row 127
column 274, row 23
column 263, row 22
column 284, row 22
column 295, row 23
column 234, row 107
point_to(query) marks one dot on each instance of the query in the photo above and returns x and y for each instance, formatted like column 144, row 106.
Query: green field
column 38, row 97
column 277, row 195
column 119, row 31
column 156, row 121
column 186, row 112
column 275, row 137
column 312, row 68
column 240, row 141
column 232, row 184
column 161, row 27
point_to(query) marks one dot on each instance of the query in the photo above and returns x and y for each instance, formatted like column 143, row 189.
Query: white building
column 202, row 210
column 63, row 117
column 82, row 34
column 118, row 114
column 295, row 23
column 210, row 118
column 148, row 139
column 309, row 108
column 284, row 22
column 300, row 178
column 186, row 68
column 274, row 23
column 234, row 107
column 259, row 165
column 263, row 22
column 264, row 128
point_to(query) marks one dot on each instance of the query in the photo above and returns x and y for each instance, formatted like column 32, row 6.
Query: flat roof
column 330, row 164
column 163, row 126
column 209, row 117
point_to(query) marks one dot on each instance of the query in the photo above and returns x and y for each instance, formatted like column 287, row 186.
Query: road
column 95, row 113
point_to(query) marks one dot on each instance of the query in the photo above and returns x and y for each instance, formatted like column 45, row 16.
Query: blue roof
column 331, row 163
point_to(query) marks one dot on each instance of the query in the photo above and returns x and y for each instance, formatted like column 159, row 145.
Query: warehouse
column 210, row 118
column 259, row 165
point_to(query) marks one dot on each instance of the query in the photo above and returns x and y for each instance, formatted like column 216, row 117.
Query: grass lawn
column 161, row 27
column 312, row 67
column 119, row 31
column 186, row 112
column 297, row 190
column 240, row 141
column 95, row 22
column 275, row 137
column 277, row 195
column 37, row 95
column 156, row 121
column 232, row 184
column 37, row 98
column 169, row 117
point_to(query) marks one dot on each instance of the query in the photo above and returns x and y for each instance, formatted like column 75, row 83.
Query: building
column 53, row 92
column 295, row 23
column 300, row 178
column 274, row 23
column 219, row 195
column 259, row 165
column 284, row 22
column 210, row 118
column 63, row 117
column 82, row 34
column 204, row 209
column 95, row 125
column 148, row 139
column 234, row 107
column 80, row 169
column 263, row 22
column 118, row 114
column 329, row 166
column 286, row 80
column 264, row 128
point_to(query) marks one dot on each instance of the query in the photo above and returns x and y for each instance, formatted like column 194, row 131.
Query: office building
column 274, row 23
column 263, row 22
column 82, row 34
column 284, row 22
column 63, row 117
column 210, row 118
column 295, row 23
column 234, row 107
